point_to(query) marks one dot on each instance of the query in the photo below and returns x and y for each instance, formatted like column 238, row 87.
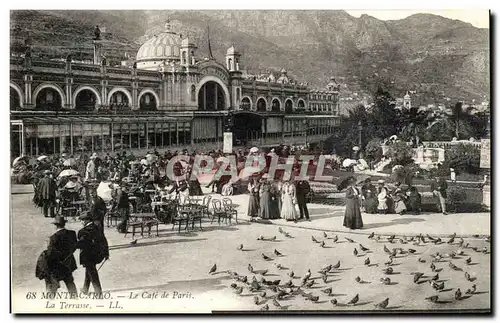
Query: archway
column 301, row 105
column 247, row 127
column 48, row 98
column 148, row 100
column 85, row 100
column 15, row 99
column 261, row 105
column 211, row 97
column 288, row 106
column 276, row 105
column 119, row 99
column 246, row 104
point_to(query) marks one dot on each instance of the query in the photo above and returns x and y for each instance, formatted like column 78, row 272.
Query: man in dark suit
column 122, row 207
column 302, row 189
column 97, row 208
column 59, row 260
column 438, row 188
column 47, row 194
column 93, row 250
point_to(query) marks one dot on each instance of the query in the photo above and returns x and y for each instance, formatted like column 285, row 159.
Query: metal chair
column 218, row 211
column 230, row 209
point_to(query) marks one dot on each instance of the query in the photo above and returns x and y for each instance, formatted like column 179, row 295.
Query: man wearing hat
column 97, row 208
column 93, row 250
column 47, row 194
column 121, row 204
column 90, row 171
column 438, row 188
column 57, row 262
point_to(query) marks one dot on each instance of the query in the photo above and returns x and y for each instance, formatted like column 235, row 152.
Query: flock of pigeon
column 254, row 282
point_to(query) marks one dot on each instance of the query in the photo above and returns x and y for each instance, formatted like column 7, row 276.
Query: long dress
column 253, row 201
column 382, row 200
column 352, row 217
column 288, row 211
column 265, row 201
column 399, row 201
column 276, row 190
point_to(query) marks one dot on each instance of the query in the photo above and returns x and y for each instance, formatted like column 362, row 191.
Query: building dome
column 231, row 50
column 163, row 47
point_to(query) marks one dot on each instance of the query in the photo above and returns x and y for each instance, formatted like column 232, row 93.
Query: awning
column 99, row 119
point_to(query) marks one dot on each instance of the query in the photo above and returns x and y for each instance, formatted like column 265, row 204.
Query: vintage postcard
column 280, row 161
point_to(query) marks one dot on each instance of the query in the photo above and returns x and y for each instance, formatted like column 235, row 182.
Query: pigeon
column 327, row 291
column 355, row 252
column 335, row 239
column 468, row 260
column 417, row 276
column 273, row 238
column 422, row 239
column 322, row 245
column 277, row 253
column 275, row 303
column 266, row 257
column 433, row 299
column 378, row 238
column 437, row 241
column 280, row 294
column 313, row 298
column 239, row 290
column 324, row 277
column 263, row 272
column 436, row 277
column 307, row 275
column 391, row 238
column 437, row 286
column 233, row 285
column 433, row 267
column 240, row 247
column 256, row 300
column 350, row 240
column 250, row 268
column 452, row 266
column 385, row 280
column 402, row 241
column 354, row 300
column 386, row 250
column 327, row 268
column 363, row 248
column 337, row 265
column 472, row 290
column 485, row 250
column 288, row 235
column 291, row 274
column 244, row 279
column 288, row 284
column 276, row 282
column 488, row 239
column 453, row 235
column 468, row 277
column 213, row 269
column 430, row 238
column 358, row 279
column 412, row 250
column 389, row 262
column 421, row 260
column 458, row 295
column 334, row 301
column 367, row 261
column 383, row 304
column 280, row 230
column 309, row 284
column 314, row 239
column 262, row 294
column 371, row 235
column 325, row 235
column 388, row 270
column 279, row 266
column 264, row 308
column 133, row 243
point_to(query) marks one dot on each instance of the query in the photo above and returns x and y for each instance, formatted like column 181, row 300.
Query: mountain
column 434, row 56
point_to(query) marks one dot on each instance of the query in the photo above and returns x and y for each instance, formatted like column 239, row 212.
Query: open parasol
column 68, row 172
column 70, row 162
column 18, row 159
column 254, row 149
column 42, row 157
column 349, row 162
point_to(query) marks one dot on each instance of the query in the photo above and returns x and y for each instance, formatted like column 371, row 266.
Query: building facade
column 169, row 98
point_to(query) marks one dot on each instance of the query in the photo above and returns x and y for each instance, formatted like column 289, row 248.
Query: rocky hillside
column 434, row 56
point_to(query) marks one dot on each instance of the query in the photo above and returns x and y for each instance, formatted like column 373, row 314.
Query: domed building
column 167, row 99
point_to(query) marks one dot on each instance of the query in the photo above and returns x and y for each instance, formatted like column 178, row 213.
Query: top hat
column 59, row 220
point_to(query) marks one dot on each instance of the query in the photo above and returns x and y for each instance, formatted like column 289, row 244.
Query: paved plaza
column 179, row 263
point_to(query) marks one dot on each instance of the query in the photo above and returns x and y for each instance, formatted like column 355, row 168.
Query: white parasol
column 68, row 172
column 69, row 162
column 104, row 191
column 349, row 162
column 18, row 159
column 355, row 148
column 254, row 149
column 42, row 157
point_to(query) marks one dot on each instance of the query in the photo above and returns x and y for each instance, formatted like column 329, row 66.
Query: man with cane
column 93, row 250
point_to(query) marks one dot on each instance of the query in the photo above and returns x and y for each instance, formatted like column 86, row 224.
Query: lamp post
column 306, row 129
column 360, row 139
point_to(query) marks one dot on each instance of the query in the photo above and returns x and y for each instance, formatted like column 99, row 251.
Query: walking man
column 97, row 208
column 93, row 250
column 47, row 194
column 57, row 262
column 438, row 188
column 302, row 189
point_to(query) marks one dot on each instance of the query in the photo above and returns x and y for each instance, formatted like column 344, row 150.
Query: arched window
column 230, row 64
column 193, row 93
column 183, row 58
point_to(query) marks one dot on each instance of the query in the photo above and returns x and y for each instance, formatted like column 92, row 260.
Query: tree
column 373, row 149
column 464, row 158
column 400, row 153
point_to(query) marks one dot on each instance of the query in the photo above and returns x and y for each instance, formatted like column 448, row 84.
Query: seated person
column 414, row 200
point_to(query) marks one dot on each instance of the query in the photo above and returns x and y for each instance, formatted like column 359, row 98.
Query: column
column 204, row 89
column 23, row 149
column 112, row 133
column 191, row 127
column 147, row 134
column 169, row 136
column 216, row 94
column 71, row 137
column 177, row 133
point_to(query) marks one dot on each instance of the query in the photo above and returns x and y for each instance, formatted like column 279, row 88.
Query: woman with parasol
column 352, row 217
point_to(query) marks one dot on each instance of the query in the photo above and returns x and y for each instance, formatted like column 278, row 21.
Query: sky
column 478, row 18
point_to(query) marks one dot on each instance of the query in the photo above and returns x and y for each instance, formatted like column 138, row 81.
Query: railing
column 450, row 144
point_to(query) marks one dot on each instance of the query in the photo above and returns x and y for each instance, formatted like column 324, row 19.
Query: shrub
column 456, row 196
column 400, row 153
column 464, row 158
column 374, row 150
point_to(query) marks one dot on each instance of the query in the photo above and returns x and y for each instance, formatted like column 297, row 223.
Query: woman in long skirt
column 276, row 194
column 288, row 201
column 253, row 201
column 265, row 201
column 352, row 217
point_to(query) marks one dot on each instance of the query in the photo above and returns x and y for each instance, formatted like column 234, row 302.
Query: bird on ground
column 417, row 276
column 461, row 242
column 421, row 260
column 402, row 241
column 385, row 280
column 313, row 298
column 277, row 253
column 324, row 277
column 280, row 230
column 322, row 244
column 357, row 279
column 280, row 294
column 433, row 267
column 250, row 268
column 436, row 277
column 327, row 291
column 437, row 286
column 468, row 260
column 264, row 308
column 488, row 239
column 468, row 277
column 325, row 235
column 307, row 275
column 412, row 250
column 279, row 266
column 213, row 269
column 437, row 241
column 334, row 301
column 276, row 282
column 288, row 284
column 485, row 250
column 454, row 267
column 314, row 239
column 363, row 248
column 388, row 270
column 262, row 294
column 256, row 300
column 133, row 243
column 386, row 250
column 394, row 252
column 430, row 238
column 422, row 239
column 240, row 247
column 367, row 261
column 355, row 252
column 327, row 268
column 337, row 265
column 273, row 238
column 390, row 261
column 275, row 303
column 233, row 285
column 291, row 274
column 391, row 238
column 264, row 272
column 244, row 279
column 354, row 300
column 266, row 257
column 377, row 239
column 309, row 284
column 350, row 240
column 458, row 294
column 471, row 290
column 453, row 235
column 383, row 304
column 239, row 290
column 288, row 235
column 433, row 299
column 371, row 235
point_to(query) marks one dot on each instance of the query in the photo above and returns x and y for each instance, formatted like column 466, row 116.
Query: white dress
column 288, row 211
column 382, row 199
